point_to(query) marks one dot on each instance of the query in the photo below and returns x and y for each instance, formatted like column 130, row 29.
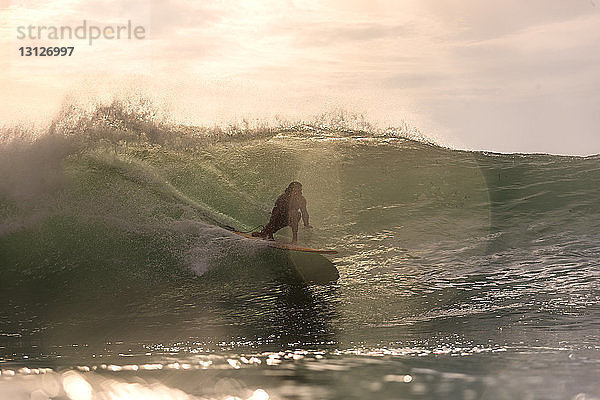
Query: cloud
column 327, row 35
column 477, row 20
column 454, row 65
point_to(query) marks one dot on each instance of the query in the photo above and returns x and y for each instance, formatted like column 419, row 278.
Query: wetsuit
column 288, row 210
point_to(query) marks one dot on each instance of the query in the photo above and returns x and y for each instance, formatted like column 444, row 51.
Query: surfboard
column 285, row 246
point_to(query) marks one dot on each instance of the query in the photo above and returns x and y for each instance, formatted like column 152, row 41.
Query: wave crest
column 139, row 119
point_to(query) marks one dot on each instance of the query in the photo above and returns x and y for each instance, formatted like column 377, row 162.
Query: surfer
column 289, row 208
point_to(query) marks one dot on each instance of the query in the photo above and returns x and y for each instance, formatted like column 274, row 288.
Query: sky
column 510, row 76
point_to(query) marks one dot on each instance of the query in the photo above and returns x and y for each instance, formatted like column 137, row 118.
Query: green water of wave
column 362, row 192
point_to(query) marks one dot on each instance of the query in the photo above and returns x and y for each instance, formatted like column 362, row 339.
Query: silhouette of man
column 289, row 207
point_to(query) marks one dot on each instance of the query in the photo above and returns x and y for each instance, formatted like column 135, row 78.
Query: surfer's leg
column 268, row 229
column 268, row 232
column 273, row 226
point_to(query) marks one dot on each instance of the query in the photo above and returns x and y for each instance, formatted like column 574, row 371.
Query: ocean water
column 463, row 275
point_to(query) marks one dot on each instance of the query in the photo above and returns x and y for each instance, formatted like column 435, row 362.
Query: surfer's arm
column 304, row 212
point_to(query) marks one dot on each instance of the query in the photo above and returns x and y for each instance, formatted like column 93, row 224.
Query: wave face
column 111, row 243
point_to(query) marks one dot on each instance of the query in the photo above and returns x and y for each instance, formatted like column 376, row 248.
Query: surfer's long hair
column 292, row 187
